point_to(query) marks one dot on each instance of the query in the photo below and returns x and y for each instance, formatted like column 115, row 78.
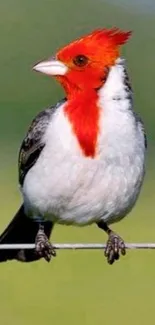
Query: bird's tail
column 21, row 230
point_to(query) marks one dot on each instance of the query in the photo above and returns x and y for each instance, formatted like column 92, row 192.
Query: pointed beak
column 51, row 67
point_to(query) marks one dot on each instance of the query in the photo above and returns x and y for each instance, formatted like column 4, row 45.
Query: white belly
column 67, row 187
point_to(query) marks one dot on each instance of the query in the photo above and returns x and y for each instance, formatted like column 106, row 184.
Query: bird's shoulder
column 33, row 143
column 139, row 121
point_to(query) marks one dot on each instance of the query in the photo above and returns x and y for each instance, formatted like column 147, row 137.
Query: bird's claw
column 43, row 247
column 115, row 246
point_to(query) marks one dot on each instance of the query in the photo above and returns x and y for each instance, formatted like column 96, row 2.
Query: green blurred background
column 76, row 287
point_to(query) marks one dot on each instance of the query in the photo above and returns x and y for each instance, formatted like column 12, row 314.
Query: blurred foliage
column 77, row 287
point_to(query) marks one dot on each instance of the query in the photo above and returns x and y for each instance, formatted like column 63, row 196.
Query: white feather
column 66, row 187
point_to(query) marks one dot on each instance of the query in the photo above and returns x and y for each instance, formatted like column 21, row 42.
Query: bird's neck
column 83, row 113
column 83, row 108
column 117, row 88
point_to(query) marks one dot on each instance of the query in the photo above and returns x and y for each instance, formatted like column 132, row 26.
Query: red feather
column 80, row 83
column 117, row 36
column 83, row 115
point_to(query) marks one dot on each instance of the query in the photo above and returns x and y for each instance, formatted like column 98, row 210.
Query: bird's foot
column 42, row 245
column 115, row 246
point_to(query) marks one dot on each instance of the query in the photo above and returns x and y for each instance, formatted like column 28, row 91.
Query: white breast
column 67, row 187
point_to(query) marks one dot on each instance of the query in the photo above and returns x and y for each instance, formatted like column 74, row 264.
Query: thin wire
column 79, row 246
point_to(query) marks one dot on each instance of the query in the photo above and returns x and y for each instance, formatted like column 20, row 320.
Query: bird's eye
column 80, row 60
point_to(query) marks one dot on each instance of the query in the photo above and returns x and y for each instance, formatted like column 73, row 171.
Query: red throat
column 98, row 51
column 83, row 114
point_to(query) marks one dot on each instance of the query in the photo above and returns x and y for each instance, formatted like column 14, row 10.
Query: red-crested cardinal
column 82, row 160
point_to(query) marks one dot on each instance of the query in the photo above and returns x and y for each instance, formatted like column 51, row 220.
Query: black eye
column 80, row 60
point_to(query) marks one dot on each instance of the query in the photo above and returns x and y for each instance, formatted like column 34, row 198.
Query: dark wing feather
column 139, row 121
column 33, row 144
column 130, row 95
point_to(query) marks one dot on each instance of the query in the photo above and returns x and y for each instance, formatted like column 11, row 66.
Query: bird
column 82, row 161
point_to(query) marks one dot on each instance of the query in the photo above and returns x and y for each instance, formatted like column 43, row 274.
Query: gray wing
column 33, row 144
column 130, row 97
column 140, row 122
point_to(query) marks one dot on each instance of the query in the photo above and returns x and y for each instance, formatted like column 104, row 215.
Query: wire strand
column 72, row 246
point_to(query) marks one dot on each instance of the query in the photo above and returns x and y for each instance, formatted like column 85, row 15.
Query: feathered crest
column 101, row 45
column 114, row 35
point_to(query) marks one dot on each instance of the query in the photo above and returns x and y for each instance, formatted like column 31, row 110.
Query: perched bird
column 82, row 160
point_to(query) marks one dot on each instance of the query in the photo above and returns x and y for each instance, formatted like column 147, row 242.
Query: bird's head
column 84, row 64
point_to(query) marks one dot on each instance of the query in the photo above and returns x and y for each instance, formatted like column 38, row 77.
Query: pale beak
column 51, row 67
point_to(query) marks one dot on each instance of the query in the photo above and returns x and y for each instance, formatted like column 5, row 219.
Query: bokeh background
column 76, row 287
